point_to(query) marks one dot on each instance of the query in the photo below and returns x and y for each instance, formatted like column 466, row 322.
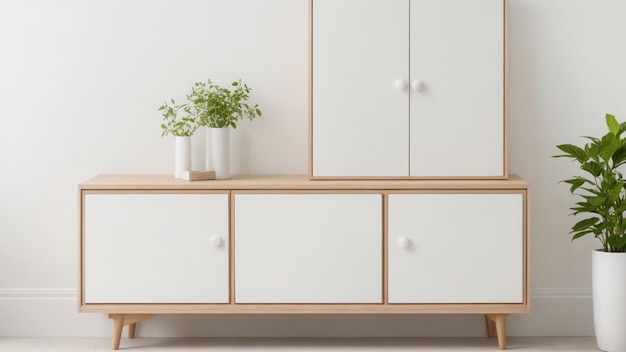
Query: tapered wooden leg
column 499, row 320
column 490, row 327
column 131, row 330
column 501, row 329
column 118, row 325
column 119, row 320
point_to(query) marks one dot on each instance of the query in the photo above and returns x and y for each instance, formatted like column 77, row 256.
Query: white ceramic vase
column 609, row 300
column 182, row 160
column 218, row 152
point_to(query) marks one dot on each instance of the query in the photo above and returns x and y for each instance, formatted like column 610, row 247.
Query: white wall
column 80, row 82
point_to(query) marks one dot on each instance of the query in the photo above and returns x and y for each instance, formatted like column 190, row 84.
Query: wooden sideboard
column 153, row 244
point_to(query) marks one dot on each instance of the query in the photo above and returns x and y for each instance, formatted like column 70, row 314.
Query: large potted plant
column 182, row 128
column 601, row 194
column 219, row 109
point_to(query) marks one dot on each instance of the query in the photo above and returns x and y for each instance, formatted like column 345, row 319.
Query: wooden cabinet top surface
column 288, row 182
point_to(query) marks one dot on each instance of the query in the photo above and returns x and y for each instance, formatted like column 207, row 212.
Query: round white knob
column 417, row 85
column 404, row 242
column 216, row 241
column 401, row 84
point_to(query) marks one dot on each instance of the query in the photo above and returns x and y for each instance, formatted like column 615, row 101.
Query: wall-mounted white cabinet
column 441, row 248
column 308, row 248
column 408, row 88
column 155, row 248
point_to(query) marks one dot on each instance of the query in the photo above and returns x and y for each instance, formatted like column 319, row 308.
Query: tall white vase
column 609, row 300
column 218, row 152
column 182, row 160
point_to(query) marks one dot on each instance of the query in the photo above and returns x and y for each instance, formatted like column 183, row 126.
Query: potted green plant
column 219, row 108
column 601, row 194
column 182, row 128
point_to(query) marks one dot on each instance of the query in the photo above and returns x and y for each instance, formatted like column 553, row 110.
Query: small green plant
column 172, row 124
column 602, row 188
column 219, row 107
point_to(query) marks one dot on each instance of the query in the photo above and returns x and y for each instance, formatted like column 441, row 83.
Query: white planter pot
column 182, row 160
column 609, row 300
column 218, row 152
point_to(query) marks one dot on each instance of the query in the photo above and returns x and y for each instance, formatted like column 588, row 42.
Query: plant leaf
column 581, row 234
column 572, row 151
column 575, row 182
column 609, row 144
column 592, row 167
column 619, row 157
column 595, row 201
column 584, row 224
column 612, row 124
column 614, row 193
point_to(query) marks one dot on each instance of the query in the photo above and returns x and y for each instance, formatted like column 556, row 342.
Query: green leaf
column 575, row 182
column 581, row 234
column 591, row 190
column 612, row 124
column 572, row 151
column 622, row 128
column 592, row 139
column 579, row 210
column 607, row 147
column 592, row 167
column 615, row 192
column 595, row 201
column 619, row 157
column 584, row 224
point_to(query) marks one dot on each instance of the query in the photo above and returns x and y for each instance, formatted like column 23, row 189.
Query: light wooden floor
column 534, row 344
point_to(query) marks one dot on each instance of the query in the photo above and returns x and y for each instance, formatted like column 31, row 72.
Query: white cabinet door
column 456, row 248
column 156, row 248
column 360, row 120
column 457, row 117
column 308, row 248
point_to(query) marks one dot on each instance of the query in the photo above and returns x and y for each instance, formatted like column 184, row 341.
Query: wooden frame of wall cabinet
column 131, row 313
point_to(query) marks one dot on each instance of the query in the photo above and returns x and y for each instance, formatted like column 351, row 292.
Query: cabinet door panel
column 457, row 119
column 155, row 248
column 296, row 248
column 463, row 248
column 359, row 118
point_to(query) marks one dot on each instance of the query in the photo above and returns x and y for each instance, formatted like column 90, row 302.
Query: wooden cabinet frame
column 130, row 314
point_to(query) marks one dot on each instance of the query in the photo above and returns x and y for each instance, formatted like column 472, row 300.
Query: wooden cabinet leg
column 499, row 320
column 490, row 327
column 118, row 325
column 131, row 330
column 501, row 331
column 119, row 320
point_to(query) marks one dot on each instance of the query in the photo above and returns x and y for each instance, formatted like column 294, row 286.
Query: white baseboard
column 53, row 312
column 50, row 294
